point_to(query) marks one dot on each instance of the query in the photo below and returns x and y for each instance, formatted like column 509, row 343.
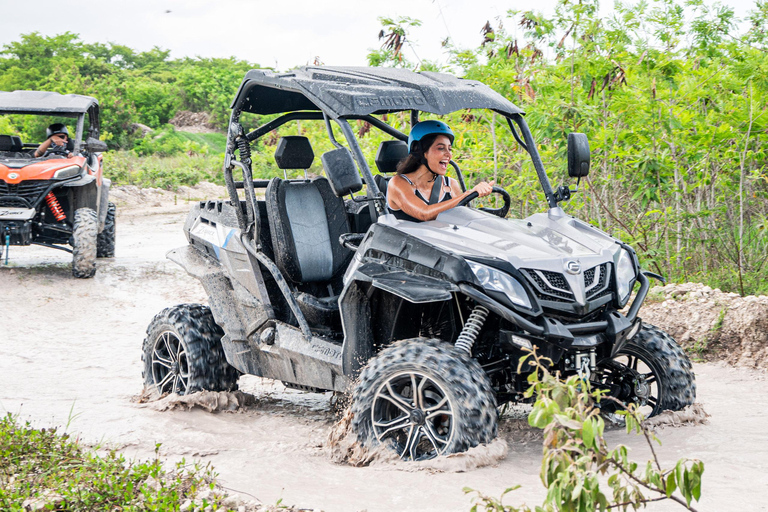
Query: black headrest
column 294, row 152
column 341, row 171
column 10, row 143
column 6, row 143
column 389, row 155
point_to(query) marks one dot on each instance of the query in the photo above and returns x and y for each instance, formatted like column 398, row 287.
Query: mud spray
column 342, row 447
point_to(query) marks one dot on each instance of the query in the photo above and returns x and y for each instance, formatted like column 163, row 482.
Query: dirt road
column 70, row 357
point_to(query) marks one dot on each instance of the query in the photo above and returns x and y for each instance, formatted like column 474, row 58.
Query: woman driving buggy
column 421, row 190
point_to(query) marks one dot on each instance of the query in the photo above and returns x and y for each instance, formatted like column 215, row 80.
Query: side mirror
column 578, row 155
column 93, row 145
column 341, row 171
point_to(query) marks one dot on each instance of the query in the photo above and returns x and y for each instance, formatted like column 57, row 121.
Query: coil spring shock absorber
column 244, row 148
column 471, row 329
column 55, row 207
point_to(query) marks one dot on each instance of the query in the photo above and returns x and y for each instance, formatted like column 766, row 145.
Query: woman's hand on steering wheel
column 483, row 188
column 501, row 212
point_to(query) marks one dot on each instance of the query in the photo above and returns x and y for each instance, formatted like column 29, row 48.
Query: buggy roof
column 359, row 91
column 42, row 102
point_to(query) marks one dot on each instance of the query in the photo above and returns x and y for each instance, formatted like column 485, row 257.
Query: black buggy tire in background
column 84, row 232
column 453, row 407
column 182, row 352
column 105, row 242
column 665, row 371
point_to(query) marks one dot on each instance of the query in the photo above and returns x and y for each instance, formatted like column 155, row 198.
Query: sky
column 280, row 34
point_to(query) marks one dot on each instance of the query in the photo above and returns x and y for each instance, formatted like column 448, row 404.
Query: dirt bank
column 70, row 357
column 713, row 325
column 195, row 122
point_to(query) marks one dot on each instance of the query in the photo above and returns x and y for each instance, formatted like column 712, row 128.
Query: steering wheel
column 501, row 212
column 57, row 150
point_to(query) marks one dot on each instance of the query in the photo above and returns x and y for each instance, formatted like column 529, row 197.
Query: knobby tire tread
column 84, row 232
column 105, row 243
column 201, row 336
column 676, row 381
column 475, row 414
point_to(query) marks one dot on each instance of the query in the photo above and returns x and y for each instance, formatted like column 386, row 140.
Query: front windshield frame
column 236, row 136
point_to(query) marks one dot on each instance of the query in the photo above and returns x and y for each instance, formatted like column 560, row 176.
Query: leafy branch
column 577, row 459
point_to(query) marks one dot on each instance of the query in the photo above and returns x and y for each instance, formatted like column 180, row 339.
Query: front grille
column 552, row 286
column 589, row 276
column 549, row 285
column 596, row 281
column 556, row 280
column 600, row 295
column 24, row 195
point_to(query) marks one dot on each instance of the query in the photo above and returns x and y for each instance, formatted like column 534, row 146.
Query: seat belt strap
column 435, row 194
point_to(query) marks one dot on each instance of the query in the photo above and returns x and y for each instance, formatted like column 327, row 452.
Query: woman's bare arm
column 404, row 198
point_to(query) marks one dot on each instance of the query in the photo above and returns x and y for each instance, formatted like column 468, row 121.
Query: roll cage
column 340, row 94
column 42, row 103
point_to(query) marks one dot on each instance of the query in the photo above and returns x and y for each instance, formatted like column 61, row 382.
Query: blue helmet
column 424, row 128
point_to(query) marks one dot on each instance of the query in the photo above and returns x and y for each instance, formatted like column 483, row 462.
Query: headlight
column 67, row 172
column 492, row 279
column 625, row 275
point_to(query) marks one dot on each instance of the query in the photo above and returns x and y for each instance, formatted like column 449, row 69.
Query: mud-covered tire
column 672, row 374
column 443, row 375
column 105, row 242
column 84, row 231
column 182, row 352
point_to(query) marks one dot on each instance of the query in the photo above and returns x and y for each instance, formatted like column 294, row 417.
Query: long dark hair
column 415, row 158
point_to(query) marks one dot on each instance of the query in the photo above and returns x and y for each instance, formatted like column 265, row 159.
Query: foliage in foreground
column 578, row 462
column 41, row 466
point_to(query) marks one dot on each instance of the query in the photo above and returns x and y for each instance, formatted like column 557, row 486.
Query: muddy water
column 70, row 357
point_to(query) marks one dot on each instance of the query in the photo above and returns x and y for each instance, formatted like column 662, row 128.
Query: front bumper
column 615, row 327
column 16, row 225
column 15, row 232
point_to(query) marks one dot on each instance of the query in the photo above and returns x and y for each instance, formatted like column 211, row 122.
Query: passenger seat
column 11, row 146
column 305, row 220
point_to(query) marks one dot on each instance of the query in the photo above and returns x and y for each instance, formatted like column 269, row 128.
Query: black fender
column 85, row 193
column 416, row 288
column 103, row 202
column 355, row 308
column 81, row 182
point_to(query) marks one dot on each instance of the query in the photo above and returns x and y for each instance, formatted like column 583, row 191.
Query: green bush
column 45, row 467
column 169, row 172
column 167, row 142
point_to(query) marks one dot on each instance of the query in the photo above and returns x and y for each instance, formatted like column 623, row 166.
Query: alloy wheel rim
column 170, row 371
column 413, row 413
column 644, row 382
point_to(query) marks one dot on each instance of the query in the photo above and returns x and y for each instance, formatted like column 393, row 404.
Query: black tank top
column 443, row 196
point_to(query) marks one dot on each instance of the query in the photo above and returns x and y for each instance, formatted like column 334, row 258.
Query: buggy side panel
column 255, row 346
